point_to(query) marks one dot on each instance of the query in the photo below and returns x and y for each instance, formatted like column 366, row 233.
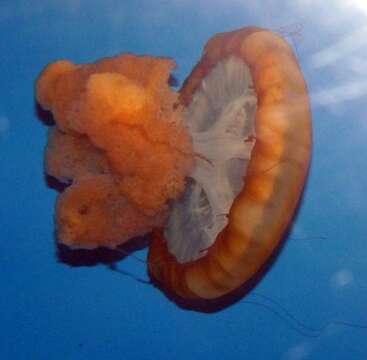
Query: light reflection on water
column 4, row 124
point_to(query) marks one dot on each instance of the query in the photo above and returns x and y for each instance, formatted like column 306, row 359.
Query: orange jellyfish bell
column 277, row 147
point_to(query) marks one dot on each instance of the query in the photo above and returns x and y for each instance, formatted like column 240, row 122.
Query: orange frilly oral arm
column 275, row 177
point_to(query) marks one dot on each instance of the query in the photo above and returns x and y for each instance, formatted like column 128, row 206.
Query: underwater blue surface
column 312, row 301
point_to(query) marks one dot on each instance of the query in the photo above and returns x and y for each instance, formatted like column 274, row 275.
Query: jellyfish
column 267, row 149
column 215, row 172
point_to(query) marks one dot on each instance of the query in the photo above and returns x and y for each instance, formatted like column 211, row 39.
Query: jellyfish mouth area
column 221, row 120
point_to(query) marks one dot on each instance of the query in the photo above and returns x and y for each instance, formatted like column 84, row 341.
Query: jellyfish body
column 127, row 147
column 119, row 142
column 275, row 176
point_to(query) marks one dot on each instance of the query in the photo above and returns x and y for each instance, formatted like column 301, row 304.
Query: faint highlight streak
column 73, row 6
column 345, row 46
column 341, row 93
column 358, row 65
column 299, row 352
column 342, row 278
column 358, row 4
column 4, row 124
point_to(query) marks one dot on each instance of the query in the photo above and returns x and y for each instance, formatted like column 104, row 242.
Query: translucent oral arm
column 221, row 121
